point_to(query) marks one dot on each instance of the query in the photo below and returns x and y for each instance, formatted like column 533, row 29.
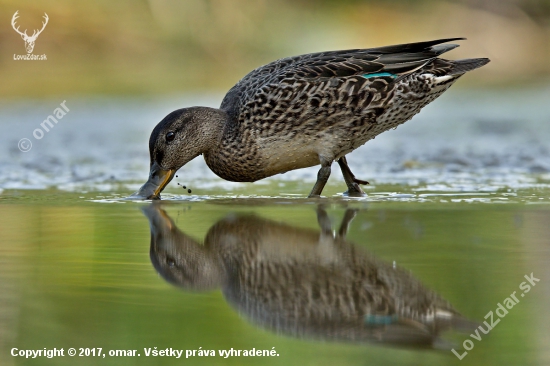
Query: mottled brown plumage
column 304, row 111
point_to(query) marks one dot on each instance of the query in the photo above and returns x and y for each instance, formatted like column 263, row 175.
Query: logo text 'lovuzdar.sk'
column 501, row 311
column 29, row 40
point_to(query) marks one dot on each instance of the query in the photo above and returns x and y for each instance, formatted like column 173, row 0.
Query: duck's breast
column 280, row 155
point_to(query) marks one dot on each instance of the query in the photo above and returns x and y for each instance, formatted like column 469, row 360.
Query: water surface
column 458, row 201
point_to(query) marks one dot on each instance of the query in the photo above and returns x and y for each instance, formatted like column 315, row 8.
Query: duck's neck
column 234, row 156
column 211, row 128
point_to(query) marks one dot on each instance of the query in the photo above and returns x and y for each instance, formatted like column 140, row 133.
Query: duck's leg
column 322, row 177
column 324, row 221
column 349, row 215
column 353, row 183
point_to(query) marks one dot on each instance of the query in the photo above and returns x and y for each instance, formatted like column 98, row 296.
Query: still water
column 457, row 214
column 343, row 282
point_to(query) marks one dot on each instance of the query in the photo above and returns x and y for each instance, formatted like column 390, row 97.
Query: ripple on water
column 466, row 141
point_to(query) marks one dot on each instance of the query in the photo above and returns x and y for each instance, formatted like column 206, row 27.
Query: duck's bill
column 158, row 218
column 158, row 179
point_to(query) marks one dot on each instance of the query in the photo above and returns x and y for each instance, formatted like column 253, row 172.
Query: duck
column 303, row 111
column 303, row 283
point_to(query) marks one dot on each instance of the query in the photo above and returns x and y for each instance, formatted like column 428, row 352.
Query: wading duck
column 303, row 283
column 302, row 111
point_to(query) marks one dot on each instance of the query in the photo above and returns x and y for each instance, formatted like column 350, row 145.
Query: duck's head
column 179, row 258
column 179, row 138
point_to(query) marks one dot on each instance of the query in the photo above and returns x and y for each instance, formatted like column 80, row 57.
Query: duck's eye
column 170, row 136
column 171, row 262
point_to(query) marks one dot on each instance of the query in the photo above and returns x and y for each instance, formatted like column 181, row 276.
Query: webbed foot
column 354, row 188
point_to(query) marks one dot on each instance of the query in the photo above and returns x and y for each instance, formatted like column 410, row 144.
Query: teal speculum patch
column 380, row 75
column 380, row 319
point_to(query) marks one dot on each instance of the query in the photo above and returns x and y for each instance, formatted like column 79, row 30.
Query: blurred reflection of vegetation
column 163, row 46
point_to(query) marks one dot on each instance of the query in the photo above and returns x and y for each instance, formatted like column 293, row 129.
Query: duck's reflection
column 301, row 282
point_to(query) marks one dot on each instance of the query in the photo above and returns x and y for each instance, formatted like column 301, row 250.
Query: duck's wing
column 266, row 82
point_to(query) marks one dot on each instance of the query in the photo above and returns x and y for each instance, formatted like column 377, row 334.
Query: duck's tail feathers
column 442, row 48
column 456, row 324
column 434, row 46
column 462, row 325
column 459, row 67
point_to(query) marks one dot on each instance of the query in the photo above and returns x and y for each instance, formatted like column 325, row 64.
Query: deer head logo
column 29, row 40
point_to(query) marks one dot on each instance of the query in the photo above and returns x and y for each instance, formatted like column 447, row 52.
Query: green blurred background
column 168, row 46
